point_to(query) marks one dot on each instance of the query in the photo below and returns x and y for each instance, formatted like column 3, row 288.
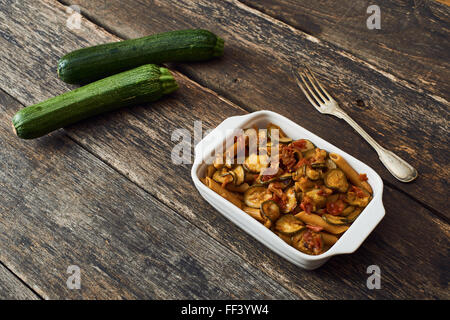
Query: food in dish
column 305, row 195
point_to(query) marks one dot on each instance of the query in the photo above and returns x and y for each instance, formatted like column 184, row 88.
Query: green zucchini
column 143, row 84
column 224, row 176
column 355, row 214
column 239, row 174
column 289, row 224
column 270, row 209
column 255, row 196
column 292, row 200
column 308, row 242
column 335, row 220
column 336, row 179
column 93, row 63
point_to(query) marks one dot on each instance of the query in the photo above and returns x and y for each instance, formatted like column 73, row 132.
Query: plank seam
column 21, row 281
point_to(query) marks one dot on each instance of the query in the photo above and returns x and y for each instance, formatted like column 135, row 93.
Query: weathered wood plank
column 61, row 206
column 413, row 42
column 256, row 73
column 11, row 288
column 137, row 142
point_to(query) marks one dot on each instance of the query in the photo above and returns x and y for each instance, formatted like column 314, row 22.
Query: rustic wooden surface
column 255, row 73
column 101, row 193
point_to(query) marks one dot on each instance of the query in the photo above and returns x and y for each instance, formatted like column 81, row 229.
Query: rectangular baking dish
column 350, row 240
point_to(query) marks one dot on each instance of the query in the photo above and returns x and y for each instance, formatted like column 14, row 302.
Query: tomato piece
column 335, row 208
column 314, row 228
column 363, row 177
column 299, row 144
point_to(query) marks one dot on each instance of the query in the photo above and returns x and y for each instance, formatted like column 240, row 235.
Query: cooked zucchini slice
column 254, row 213
column 292, row 200
column 335, row 220
column 330, row 164
column 313, row 174
column 317, row 197
column 285, row 140
column 254, row 163
column 256, row 195
column 241, row 188
column 303, row 145
column 336, row 179
column 352, row 216
column 319, row 158
column 285, row 238
column 309, row 154
column 287, row 183
column 308, row 242
column 240, row 175
column 222, row 176
column 288, row 224
column 347, row 211
column 271, row 210
column 359, row 198
column 282, row 137
column 333, row 198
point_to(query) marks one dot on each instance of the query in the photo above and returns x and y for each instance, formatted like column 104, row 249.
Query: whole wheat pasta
column 217, row 188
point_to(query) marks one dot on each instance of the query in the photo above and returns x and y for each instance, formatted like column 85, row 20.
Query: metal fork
column 325, row 103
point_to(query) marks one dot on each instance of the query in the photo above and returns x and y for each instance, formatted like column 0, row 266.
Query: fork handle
column 398, row 167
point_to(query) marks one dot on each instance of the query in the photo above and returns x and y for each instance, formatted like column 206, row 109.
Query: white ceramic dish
column 350, row 240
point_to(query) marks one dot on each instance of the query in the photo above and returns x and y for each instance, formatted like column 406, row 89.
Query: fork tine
column 319, row 84
column 299, row 83
column 311, row 91
column 313, row 81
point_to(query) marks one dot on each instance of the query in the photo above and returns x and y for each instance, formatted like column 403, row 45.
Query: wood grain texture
column 12, row 288
column 61, row 206
column 137, row 142
column 413, row 42
column 255, row 73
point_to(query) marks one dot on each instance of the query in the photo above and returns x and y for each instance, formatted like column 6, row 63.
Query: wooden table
column 104, row 195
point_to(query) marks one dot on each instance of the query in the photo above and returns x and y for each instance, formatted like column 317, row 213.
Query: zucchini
column 270, row 209
column 335, row 220
column 239, row 174
column 224, row 176
column 313, row 174
column 355, row 214
column 93, row 63
column 330, row 164
column 289, row 224
column 143, row 84
column 255, row 196
column 336, row 179
column 353, row 198
column 282, row 137
column 240, row 189
column 254, row 163
column 347, row 211
column 304, row 145
column 254, row 213
column 308, row 242
column 292, row 200
column 318, row 198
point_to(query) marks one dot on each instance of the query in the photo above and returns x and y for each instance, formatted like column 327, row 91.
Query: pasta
column 305, row 195
column 210, row 183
